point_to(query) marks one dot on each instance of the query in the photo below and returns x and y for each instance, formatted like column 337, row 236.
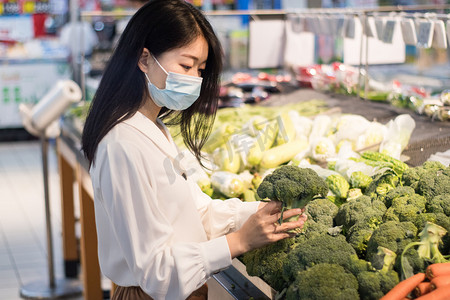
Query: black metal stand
column 54, row 289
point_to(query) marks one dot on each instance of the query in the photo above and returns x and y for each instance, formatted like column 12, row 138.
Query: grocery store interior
column 356, row 90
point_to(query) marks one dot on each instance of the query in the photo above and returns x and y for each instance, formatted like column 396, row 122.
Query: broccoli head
column 362, row 209
column 444, row 221
column 324, row 281
column 381, row 184
column 406, row 208
column 399, row 191
column 439, row 204
column 391, row 235
column 315, row 250
column 434, row 183
column 267, row 262
column 312, row 228
column 374, row 284
column 429, row 180
column 321, row 210
column 359, row 235
column 292, row 185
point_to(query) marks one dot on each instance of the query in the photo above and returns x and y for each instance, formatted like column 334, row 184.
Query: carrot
column 436, row 270
column 442, row 293
column 440, row 281
column 422, row 288
column 403, row 288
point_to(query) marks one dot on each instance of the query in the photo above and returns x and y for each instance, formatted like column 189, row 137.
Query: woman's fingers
column 286, row 214
column 271, row 207
column 286, row 226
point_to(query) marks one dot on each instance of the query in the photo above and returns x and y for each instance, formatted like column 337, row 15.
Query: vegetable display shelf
column 234, row 283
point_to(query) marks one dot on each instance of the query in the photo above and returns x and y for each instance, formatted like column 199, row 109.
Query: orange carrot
column 436, row 270
column 422, row 288
column 440, row 281
column 403, row 288
column 442, row 293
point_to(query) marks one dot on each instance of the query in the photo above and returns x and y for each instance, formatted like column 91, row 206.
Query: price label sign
column 388, row 31
column 350, row 28
column 11, row 7
column 448, row 30
column 425, row 34
column 296, row 23
column 439, row 36
column 408, row 32
column 42, row 6
column 379, row 27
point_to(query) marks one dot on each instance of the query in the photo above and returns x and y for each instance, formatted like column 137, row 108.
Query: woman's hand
column 262, row 228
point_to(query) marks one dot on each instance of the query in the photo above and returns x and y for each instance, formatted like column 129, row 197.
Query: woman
column 159, row 236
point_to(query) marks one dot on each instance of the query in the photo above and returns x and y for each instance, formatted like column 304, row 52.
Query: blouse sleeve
column 220, row 217
column 163, row 270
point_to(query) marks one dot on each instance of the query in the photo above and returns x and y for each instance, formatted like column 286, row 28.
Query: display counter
column 234, row 283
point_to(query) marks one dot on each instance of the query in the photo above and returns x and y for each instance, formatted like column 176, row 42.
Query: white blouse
column 156, row 229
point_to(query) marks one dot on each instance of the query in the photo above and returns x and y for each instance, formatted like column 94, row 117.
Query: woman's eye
column 187, row 68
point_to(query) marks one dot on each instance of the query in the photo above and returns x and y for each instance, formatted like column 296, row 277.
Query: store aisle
column 23, row 249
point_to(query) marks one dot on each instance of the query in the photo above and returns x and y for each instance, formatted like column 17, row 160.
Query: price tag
column 11, row 8
column 316, row 25
column 325, row 27
column 296, row 23
column 379, row 27
column 425, row 34
column 409, row 32
column 448, row 29
column 388, row 31
column 350, row 28
column 339, row 25
column 309, row 22
column 439, row 38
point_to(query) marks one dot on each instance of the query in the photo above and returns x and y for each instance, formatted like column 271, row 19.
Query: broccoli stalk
column 430, row 239
column 293, row 186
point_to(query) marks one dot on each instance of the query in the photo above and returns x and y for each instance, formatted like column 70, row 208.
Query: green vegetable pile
column 358, row 248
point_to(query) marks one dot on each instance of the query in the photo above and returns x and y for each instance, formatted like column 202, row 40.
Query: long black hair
column 159, row 26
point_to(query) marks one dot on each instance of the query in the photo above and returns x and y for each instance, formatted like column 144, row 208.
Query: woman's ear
column 144, row 60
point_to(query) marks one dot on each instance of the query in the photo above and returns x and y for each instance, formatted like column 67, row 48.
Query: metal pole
column 360, row 63
column 366, row 76
column 51, row 273
column 56, row 289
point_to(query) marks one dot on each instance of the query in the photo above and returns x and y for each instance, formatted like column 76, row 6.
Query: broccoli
column 439, row 204
column 381, row 184
column 444, row 221
column 391, row 235
column 360, row 180
column 432, row 184
column 322, row 211
column 338, row 185
column 430, row 239
column 315, row 250
column 293, row 186
column 359, row 235
column 400, row 191
column 429, row 180
column 406, row 208
column 374, row 284
column 324, row 281
column 267, row 262
column 312, row 228
column 363, row 210
column 412, row 176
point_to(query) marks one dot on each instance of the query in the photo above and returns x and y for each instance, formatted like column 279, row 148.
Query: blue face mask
column 180, row 93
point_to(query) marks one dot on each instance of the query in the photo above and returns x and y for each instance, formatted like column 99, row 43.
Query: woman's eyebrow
column 195, row 58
